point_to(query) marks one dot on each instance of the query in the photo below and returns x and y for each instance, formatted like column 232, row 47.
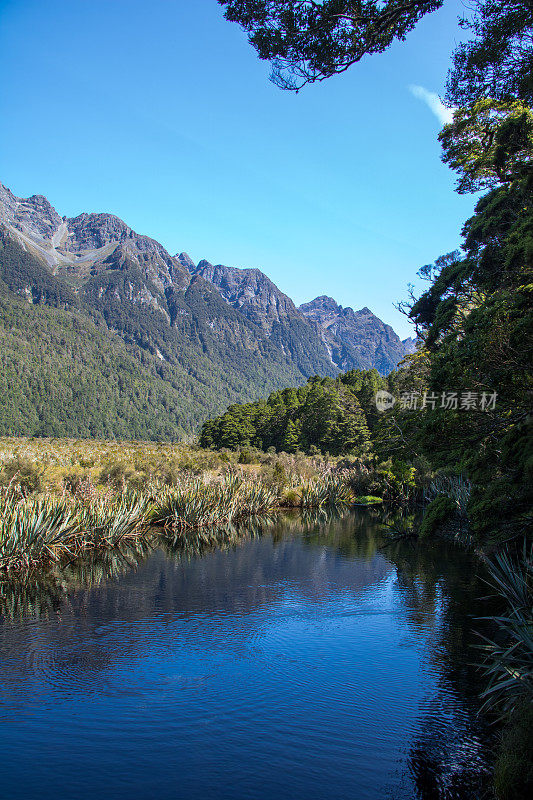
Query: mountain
column 409, row 345
column 260, row 301
column 356, row 339
column 176, row 342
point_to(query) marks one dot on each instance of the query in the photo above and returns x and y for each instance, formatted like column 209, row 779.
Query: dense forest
column 326, row 415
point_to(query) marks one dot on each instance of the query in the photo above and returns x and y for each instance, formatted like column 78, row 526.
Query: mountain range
column 104, row 333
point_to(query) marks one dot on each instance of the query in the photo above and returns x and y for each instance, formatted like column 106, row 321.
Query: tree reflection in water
column 436, row 587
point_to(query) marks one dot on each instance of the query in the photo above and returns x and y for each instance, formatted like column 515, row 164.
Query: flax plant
column 106, row 520
column 328, row 490
column 35, row 530
column 196, row 503
column 508, row 665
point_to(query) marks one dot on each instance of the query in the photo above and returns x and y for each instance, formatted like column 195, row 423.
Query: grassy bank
column 61, row 498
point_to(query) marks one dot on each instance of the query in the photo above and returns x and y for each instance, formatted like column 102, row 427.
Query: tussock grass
column 199, row 502
column 39, row 529
column 328, row 490
column 35, row 529
column 109, row 520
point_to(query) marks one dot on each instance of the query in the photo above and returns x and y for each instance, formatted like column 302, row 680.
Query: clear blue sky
column 161, row 113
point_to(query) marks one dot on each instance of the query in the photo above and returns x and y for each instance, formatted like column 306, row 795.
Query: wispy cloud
column 443, row 113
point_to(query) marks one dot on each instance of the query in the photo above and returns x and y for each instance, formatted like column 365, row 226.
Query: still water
column 298, row 658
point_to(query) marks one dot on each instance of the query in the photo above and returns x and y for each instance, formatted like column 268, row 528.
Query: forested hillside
column 66, row 371
column 196, row 337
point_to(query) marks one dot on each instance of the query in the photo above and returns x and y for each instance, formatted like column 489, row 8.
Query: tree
column 308, row 41
column 291, row 438
column 489, row 142
column 326, row 415
column 476, row 320
column 498, row 61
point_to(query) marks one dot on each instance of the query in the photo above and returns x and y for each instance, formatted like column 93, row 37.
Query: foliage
column 513, row 770
column 497, row 60
column 392, row 480
column 367, row 500
column 23, row 274
column 328, row 490
column 23, row 473
column 325, row 415
column 101, row 494
column 436, row 514
column 309, row 41
column 489, row 143
column 198, row 503
column 508, row 666
column 34, row 530
column 475, row 320
column 109, row 520
column 456, row 487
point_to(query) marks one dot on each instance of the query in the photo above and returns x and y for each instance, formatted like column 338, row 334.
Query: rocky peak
column 34, row 215
column 109, row 264
column 355, row 338
column 92, row 231
column 321, row 304
column 409, row 345
column 250, row 291
column 186, row 261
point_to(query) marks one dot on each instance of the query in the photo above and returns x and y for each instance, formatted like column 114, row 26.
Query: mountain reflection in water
column 292, row 657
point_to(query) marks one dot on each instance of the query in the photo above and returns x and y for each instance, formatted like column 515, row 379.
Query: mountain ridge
column 226, row 332
column 355, row 338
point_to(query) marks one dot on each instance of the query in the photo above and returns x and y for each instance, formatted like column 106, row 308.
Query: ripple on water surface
column 301, row 663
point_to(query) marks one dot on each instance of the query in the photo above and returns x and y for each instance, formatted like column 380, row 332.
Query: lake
column 295, row 657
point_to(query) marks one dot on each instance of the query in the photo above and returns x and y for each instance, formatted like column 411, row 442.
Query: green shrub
column 291, row 498
column 73, row 481
column 513, row 770
column 115, row 473
column 436, row 514
column 279, row 475
column 246, row 457
column 367, row 500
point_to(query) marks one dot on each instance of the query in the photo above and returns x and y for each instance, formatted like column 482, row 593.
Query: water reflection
column 292, row 656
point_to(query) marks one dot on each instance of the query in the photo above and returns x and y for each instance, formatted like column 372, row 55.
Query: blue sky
column 161, row 113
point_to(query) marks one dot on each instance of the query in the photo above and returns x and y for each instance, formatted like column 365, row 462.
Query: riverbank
column 59, row 498
column 64, row 501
